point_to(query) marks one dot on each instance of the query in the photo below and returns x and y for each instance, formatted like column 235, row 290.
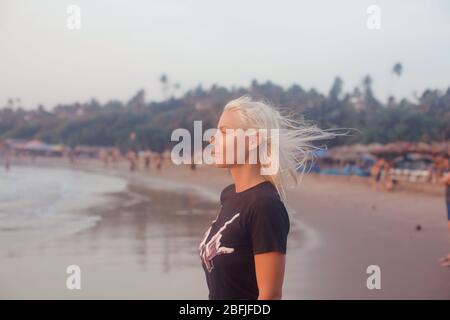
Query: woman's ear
column 253, row 139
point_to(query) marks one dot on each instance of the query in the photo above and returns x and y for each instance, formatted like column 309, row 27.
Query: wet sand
column 142, row 247
column 339, row 228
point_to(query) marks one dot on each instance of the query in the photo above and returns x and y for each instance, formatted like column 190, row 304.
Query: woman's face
column 226, row 143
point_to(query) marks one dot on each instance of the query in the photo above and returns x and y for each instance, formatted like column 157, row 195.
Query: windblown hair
column 296, row 139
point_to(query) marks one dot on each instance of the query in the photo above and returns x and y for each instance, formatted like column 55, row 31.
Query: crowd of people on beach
column 144, row 159
column 382, row 175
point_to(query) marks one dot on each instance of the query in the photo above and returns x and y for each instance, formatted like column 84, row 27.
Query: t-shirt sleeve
column 269, row 226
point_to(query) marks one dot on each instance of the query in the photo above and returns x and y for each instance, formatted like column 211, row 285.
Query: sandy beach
column 144, row 245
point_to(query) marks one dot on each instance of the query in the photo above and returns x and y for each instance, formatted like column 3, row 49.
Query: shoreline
column 351, row 226
column 134, row 237
column 180, row 183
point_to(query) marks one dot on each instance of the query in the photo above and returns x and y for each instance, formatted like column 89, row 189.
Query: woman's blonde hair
column 295, row 142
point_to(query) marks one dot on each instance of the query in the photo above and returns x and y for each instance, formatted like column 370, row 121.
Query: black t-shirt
column 250, row 222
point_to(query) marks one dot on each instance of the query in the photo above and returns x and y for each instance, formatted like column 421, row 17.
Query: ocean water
column 129, row 240
column 44, row 203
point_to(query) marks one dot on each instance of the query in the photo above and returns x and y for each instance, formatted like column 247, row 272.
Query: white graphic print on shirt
column 211, row 249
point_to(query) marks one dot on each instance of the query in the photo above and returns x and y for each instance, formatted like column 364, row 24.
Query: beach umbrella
column 36, row 145
column 375, row 148
column 422, row 147
column 57, row 147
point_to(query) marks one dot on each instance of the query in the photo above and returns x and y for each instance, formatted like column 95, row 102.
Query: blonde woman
column 243, row 252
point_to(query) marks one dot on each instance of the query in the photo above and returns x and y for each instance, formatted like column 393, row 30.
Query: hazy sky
column 123, row 46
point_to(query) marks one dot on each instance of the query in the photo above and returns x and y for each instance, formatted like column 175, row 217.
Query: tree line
column 110, row 124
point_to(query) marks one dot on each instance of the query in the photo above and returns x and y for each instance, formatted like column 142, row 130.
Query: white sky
column 126, row 45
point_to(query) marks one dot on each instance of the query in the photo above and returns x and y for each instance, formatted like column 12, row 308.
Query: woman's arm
column 269, row 274
column 446, row 179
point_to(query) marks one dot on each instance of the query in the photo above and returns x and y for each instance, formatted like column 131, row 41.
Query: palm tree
column 397, row 69
column 165, row 85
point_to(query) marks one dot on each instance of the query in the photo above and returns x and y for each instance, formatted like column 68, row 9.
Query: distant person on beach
column 7, row 161
column 159, row 161
column 147, row 158
column 376, row 171
column 193, row 166
column 243, row 252
column 388, row 181
column 446, row 181
column 440, row 166
column 71, row 155
column 115, row 156
column 132, row 159
column 104, row 157
column 445, row 261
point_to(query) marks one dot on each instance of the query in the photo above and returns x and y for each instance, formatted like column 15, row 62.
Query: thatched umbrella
column 440, row 148
column 348, row 152
column 374, row 148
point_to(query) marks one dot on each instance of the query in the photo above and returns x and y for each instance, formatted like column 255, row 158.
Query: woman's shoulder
column 267, row 200
column 266, row 192
column 267, row 211
column 226, row 192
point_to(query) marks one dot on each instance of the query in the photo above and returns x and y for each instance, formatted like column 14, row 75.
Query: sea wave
column 41, row 203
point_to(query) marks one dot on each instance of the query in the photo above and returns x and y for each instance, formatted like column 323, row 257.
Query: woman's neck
column 246, row 176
